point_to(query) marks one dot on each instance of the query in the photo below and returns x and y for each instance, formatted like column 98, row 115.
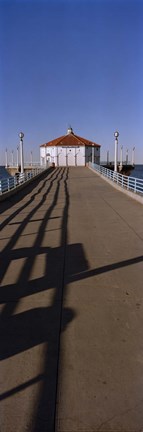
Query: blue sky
column 71, row 62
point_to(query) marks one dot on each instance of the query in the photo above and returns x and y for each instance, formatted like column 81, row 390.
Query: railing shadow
column 4, row 256
column 28, row 189
column 25, row 330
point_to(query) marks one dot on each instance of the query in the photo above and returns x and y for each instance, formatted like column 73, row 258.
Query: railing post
column 8, row 182
column 15, row 181
column 128, row 184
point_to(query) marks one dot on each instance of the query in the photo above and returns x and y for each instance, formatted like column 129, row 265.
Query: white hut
column 69, row 150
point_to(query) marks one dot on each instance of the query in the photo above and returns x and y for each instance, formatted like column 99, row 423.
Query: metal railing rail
column 9, row 183
column 132, row 184
column 26, row 164
column 32, row 164
column 124, row 162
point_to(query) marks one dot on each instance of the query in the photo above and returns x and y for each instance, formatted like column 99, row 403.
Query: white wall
column 63, row 156
column 80, row 156
column 69, row 156
column 47, row 155
column 42, row 156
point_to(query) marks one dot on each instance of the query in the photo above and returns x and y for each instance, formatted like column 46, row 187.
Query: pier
column 71, row 306
column 28, row 167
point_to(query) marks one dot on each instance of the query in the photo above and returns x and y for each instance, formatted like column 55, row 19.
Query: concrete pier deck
column 71, row 297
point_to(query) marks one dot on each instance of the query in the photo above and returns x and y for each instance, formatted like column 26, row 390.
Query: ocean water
column 3, row 173
column 137, row 172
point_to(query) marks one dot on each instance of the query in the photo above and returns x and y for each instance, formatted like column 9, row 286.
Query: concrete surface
column 71, row 307
column 136, row 196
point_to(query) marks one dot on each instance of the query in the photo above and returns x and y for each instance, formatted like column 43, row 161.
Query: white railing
column 26, row 164
column 130, row 183
column 32, row 164
column 9, row 183
column 111, row 163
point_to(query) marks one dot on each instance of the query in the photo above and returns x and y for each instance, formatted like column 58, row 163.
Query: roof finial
column 69, row 130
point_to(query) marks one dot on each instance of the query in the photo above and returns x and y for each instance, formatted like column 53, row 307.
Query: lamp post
column 92, row 153
column 121, row 157
column 6, row 159
column 107, row 157
column 116, row 134
column 12, row 158
column 31, row 157
column 133, row 156
column 127, row 157
column 17, row 157
column 21, row 136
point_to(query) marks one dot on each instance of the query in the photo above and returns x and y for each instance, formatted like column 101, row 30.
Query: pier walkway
column 71, row 309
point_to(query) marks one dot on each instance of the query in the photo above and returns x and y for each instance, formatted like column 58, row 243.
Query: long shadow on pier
column 5, row 258
column 22, row 331
column 29, row 188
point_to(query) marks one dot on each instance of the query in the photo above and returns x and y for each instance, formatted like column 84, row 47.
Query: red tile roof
column 70, row 140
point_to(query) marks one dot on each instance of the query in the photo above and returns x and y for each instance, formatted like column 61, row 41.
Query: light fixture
column 21, row 135
column 116, row 134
